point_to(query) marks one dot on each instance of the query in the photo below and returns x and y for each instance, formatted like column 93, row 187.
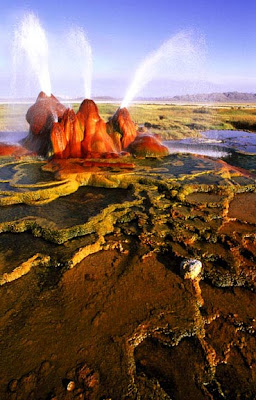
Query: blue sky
column 122, row 33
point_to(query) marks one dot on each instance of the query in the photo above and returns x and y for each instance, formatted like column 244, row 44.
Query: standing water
column 215, row 143
column 83, row 56
column 181, row 53
column 30, row 40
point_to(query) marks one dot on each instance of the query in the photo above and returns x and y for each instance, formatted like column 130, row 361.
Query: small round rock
column 71, row 386
column 190, row 268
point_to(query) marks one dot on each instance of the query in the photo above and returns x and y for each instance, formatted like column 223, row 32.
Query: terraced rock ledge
column 93, row 305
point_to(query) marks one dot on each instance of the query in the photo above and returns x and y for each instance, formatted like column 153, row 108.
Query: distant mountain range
column 226, row 97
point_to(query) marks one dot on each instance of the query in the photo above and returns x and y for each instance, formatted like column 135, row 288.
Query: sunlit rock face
column 122, row 129
column 41, row 117
column 44, row 112
column 81, row 135
column 96, row 138
column 62, row 133
column 146, row 145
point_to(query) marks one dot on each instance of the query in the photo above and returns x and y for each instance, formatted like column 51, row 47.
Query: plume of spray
column 181, row 53
column 30, row 40
column 83, row 57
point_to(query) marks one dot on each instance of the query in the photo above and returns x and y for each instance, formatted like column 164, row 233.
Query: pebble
column 71, row 386
column 190, row 269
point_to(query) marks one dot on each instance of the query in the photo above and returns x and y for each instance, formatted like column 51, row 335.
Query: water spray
column 30, row 40
column 83, row 55
column 180, row 49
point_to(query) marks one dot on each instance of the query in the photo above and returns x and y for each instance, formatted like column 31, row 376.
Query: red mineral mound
column 122, row 129
column 61, row 133
column 44, row 112
column 12, row 150
column 41, row 117
column 64, row 134
column 81, row 135
column 96, row 138
column 146, row 145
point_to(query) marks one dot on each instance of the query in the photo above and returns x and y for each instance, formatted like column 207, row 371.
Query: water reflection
column 215, row 143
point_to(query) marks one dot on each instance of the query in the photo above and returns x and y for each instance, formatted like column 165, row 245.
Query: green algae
column 180, row 202
column 77, row 216
column 32, row 183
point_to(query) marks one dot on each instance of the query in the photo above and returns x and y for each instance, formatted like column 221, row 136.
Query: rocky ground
column 93, row 305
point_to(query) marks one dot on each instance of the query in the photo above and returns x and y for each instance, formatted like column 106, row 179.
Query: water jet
column 82, row 50
column 180, row 47
column 30, row 40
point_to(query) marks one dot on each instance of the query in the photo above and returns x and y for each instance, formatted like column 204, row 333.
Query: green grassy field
column 171, row 121
column 12, row 117
column 179, row 121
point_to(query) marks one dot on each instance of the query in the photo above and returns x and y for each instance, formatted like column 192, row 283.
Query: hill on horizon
column 215, row 97
column 224, row 97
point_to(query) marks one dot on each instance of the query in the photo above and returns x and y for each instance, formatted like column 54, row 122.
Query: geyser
column 181, row 51
column 62, row 133
column 83, row 55
column 30, row 40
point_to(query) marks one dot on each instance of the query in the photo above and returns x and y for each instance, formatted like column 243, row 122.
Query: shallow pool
column 215, row 143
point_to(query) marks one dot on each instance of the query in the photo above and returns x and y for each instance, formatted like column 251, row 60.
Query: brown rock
column 96, row 138
column 59, row 131
column 81, row 135
column 59, row 140
column 66, row 136
column 41, row 117
column 122, row 124
column 44, row 112
column 147, row 145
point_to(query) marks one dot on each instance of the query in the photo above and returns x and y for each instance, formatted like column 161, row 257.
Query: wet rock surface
column 41, row 116
column 63, row 134
column 122, row 129
column 146, row 145
column 79, row 135
column 93, row 305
